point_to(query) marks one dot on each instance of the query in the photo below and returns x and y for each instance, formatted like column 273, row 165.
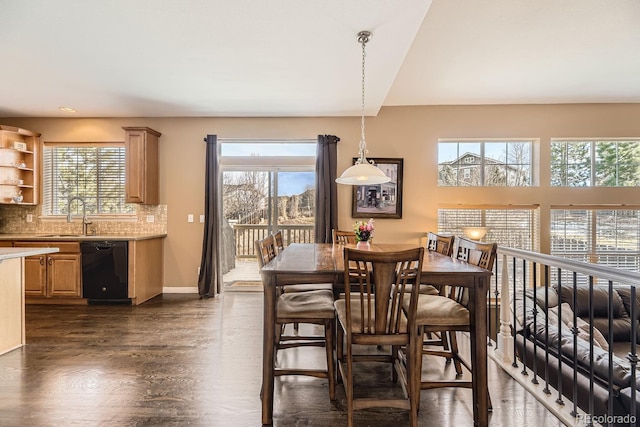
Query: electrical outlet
column 190, row 218
column 151, row 218
column 198, row 271
column 29, row 217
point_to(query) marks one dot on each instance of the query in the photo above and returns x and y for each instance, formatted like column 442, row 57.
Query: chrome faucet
column 85, row 221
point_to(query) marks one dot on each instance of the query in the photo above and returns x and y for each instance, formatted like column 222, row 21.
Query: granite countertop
column 8, row 253
column 77, row 237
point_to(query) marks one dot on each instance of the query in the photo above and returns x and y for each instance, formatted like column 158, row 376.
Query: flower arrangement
column 364, row 230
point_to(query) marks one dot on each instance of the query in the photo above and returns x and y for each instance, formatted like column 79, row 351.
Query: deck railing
column 246, row 234
column 519, row 272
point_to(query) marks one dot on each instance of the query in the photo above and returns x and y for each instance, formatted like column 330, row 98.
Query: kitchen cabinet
column 142, row 165
column 19, row 169
column 56, row 275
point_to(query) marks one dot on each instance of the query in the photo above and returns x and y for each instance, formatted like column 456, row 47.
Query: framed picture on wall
column 380, row 200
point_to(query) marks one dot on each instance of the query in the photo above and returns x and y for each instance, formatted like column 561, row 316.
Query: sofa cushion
column 625, row 296
column 600, row 301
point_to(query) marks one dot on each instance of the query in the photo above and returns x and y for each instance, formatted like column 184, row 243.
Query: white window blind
column 93, row 171
column 601, row 236
column 514, row 228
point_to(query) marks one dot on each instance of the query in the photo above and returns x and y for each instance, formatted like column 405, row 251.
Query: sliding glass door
column 263, row 193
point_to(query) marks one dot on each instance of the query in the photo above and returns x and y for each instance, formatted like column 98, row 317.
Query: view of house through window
column 93, row 171
column 267, row 186
column 484, row 163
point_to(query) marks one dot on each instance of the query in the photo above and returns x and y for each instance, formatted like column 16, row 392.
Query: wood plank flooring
column 180, row 361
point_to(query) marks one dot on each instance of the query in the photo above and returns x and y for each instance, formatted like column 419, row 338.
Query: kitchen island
column 12, row 333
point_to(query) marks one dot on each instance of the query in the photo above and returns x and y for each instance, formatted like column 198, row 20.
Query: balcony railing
column 558, row 359
column 246, row 234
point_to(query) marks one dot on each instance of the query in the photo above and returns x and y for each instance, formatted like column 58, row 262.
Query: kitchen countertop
column 79, row 237
column 8, row 253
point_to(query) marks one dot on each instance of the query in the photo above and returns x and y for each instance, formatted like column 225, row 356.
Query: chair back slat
column 278, row 241
column 380, row 281
column 343, row 237
column 439, row 243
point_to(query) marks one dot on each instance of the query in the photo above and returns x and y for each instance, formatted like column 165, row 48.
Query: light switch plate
column 29, row 217
column 190, row 218
column 151, row 218
column 202, row 219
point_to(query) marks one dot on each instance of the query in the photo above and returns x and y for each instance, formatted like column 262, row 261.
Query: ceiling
column 247, row 58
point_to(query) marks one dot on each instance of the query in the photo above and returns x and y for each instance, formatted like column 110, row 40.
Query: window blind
column 94, row 172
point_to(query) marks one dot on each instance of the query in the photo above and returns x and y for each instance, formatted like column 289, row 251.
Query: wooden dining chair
column 443, row 245
column 343, row 237
column 372, row 315
column 448, row 313
column 313, row 307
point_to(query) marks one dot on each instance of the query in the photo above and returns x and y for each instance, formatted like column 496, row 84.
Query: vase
column 363, row 245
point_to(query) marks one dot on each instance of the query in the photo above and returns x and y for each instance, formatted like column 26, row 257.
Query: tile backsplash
column 13, row 219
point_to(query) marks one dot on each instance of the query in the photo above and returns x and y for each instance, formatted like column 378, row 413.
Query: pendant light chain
column 363, row 38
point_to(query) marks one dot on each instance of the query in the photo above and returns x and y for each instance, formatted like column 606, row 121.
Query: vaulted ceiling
column 202, row 58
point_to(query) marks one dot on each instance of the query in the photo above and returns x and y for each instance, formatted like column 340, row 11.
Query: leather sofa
column 546, row 335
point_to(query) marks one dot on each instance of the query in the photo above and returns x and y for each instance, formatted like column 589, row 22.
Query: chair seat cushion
column 306, row 305
column 356, row 319
column 308, row 287
column 436, row 310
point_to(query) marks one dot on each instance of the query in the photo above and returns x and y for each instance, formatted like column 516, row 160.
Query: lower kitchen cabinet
column 56, row 275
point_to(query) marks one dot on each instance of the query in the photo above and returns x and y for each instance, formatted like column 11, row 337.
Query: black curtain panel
column 326, row 187
column 210, row 278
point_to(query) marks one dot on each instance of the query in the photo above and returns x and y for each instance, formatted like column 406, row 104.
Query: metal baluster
column 524, row 298
column 633, row 357
column 546, row 330
column 591, row 366
column 534, row 380
column 515, row 305
column 574, row 330
column 559, row 400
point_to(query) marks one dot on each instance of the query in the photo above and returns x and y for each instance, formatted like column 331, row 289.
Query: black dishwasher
column 105, row 272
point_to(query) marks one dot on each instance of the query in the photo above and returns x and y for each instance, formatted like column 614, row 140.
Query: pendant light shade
column 361, row 174
column 363, row 171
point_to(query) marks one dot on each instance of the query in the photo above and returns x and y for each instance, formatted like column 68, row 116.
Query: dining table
column 308, row 263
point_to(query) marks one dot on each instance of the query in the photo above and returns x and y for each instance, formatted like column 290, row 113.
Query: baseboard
column 180, row 290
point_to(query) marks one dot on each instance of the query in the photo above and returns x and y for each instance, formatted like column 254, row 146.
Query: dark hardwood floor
column 180, row 361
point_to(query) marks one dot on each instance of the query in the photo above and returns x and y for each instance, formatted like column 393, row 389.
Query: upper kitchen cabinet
column 141, row 144
column 19, row 165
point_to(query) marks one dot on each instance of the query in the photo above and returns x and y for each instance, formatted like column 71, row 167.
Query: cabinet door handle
column 50, row 261
column 41, row 260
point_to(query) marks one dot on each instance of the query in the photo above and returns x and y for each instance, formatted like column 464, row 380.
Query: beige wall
column 407, row 132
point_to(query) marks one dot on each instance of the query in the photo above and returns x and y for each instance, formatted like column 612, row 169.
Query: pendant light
column 364, row 171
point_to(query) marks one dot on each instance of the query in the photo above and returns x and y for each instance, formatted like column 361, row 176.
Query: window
column 93, row 171
column 601, row 236
column 484, row 163
column 599, row 163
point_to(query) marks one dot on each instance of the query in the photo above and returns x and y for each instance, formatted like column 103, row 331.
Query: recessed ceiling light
column 67, row 109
